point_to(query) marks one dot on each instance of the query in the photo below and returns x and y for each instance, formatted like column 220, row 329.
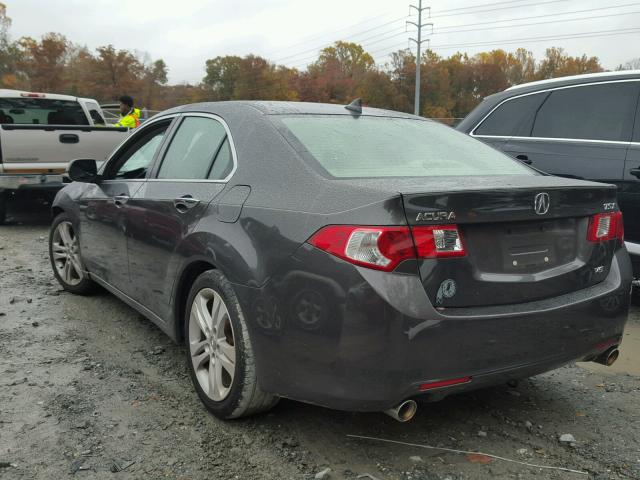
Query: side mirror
column 83, row 170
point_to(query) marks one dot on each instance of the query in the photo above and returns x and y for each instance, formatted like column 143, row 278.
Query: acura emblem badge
column 541, row 203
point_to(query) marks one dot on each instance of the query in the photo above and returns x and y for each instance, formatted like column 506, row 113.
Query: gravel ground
column 90, row 389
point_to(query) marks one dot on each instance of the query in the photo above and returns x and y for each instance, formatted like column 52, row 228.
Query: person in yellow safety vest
column 129, row 115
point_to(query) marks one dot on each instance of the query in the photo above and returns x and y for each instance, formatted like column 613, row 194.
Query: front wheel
column 220, row 358
column 66, row 261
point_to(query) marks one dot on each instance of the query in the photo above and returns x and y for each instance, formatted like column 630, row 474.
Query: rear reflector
column 605, row 226
column 383, row 248
column 444, row 383
column 438, row 241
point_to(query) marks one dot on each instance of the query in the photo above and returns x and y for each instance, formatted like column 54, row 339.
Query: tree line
column 451, row 85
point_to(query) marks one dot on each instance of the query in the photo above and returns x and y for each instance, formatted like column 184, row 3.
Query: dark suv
column 585, row 127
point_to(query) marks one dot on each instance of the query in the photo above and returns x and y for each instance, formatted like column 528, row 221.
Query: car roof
column 7, row 93
column 288, row 108
column 576, row 79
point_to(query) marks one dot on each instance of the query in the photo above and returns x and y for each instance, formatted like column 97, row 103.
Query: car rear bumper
column 30, row 181
column 328, row 333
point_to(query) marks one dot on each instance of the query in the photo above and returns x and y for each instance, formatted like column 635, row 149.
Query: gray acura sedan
column 349, row 257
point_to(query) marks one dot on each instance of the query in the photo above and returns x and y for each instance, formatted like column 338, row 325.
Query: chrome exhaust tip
column 404, row 411
column 609, row 357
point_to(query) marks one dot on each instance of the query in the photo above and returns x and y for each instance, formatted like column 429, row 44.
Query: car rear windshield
column 368, row 146
column 41, row 111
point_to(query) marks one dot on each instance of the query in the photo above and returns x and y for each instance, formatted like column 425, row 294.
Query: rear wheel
column 220, row 358
column 66, row 261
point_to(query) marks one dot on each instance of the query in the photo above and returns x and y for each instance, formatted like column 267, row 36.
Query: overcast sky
column 186, row 32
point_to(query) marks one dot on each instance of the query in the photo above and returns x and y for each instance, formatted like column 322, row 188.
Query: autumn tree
column 558, row 64
column 43, row 62
column 154, row 79
column 116, row 72
column 8, row 51
column 336, row 73
column 248, row 78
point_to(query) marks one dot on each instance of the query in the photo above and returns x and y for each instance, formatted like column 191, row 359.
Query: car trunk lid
column 522, row 243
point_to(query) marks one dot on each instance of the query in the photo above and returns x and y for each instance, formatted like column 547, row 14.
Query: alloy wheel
column 66, row 254
column 212, row 344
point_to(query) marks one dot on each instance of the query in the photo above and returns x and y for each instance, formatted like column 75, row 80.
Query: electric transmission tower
column 419, row 41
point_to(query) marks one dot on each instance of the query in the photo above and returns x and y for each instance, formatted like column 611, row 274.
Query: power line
column 546, row 22
column 320, row 35
column 461, row 11
column 500, row 8
column 531, row 17
column 315, row 49
column 480, row 6
column 323, row 34
column 602, row 33
column 301, row 62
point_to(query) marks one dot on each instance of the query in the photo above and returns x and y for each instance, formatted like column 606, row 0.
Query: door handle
column 524, row 159
column 635, row 172
column 185, row 203
column 120, row 200
column 69, row 138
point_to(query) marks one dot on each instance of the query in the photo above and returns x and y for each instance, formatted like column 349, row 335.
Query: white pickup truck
column 40, row 133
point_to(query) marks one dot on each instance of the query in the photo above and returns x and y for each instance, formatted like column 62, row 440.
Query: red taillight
column 605, row 226
column 444, row 383
column 383, row 248
column 33, row 95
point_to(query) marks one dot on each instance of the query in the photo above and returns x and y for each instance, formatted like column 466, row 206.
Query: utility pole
column 419, row 25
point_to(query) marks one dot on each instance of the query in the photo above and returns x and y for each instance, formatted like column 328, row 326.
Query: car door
column 581, row 131
column 191, row 171
column 630, row 191
column 104, row 206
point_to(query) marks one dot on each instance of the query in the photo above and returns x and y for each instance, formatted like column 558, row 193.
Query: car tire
column 635, row 296
column 3, row 207
column 65, row 257
column 220, row 358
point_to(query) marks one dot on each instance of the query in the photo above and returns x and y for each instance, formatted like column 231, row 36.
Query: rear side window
column 363, row 146
column 594, row 112
column 193, row 149
column 41, row 111
column 223, row 163
column 513, row 118
column 96, row 117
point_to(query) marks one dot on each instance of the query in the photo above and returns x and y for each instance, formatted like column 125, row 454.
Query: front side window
column 134, row 159
column 364, row 147
column 512, row 118
column 41, row 111
column 193, row 149
column 594, row 112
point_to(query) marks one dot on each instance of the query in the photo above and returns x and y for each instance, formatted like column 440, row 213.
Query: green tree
column 8, row 52
column 222, row 73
